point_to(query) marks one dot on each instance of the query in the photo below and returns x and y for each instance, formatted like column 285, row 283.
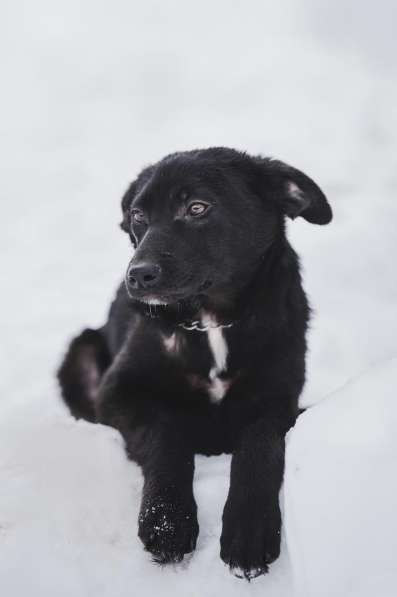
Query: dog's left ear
column 295, row 193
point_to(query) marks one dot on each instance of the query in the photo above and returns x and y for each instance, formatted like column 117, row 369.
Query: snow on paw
column 168, row 529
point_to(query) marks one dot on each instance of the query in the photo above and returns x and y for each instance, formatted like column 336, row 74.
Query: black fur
column 208, row 227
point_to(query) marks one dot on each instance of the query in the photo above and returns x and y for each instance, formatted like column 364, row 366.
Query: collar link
column 197, row 325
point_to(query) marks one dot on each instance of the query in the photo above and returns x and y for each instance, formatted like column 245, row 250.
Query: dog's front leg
column 157, row 438
column 167, row 521
column 250, row 538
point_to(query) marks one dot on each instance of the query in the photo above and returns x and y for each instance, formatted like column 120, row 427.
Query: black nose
column 143, row 275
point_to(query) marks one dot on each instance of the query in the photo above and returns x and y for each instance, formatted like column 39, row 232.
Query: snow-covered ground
column 92, row 91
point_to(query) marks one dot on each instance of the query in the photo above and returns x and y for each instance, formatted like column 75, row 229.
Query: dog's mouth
column 154, row 300
column 170, row 297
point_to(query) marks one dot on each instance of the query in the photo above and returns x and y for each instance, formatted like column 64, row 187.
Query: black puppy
column 204, row 348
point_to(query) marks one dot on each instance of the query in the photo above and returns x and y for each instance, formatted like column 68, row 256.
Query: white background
column 90, row 93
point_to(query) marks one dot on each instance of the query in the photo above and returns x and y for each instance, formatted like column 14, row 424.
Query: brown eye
column 138, row 216
column 198, row 208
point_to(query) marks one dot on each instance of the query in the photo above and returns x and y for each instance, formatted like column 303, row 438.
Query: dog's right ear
column 133, row 190
column 126, row 201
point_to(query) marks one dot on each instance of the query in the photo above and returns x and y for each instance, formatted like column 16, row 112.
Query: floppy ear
column 128, row 197
column 126, row 201
column 295, row 193
column 125, row 207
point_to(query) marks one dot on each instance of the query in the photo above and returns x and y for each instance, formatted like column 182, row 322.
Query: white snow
column 340, row 490
column 91, row 92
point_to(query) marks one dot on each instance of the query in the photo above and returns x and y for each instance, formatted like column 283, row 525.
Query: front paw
column 168, row 527
column 250, row 540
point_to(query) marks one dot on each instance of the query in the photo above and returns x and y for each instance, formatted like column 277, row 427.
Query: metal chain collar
column 196, row 325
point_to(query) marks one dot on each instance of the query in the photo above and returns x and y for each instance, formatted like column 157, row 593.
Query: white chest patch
column 170, row 343
column 218, row 346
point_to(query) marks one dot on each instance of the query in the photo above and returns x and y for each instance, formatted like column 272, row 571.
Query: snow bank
column 69, row 503
column 341, row 491
column 68, row 510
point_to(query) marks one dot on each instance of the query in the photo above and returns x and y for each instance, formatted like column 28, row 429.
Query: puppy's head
column 202, row 221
